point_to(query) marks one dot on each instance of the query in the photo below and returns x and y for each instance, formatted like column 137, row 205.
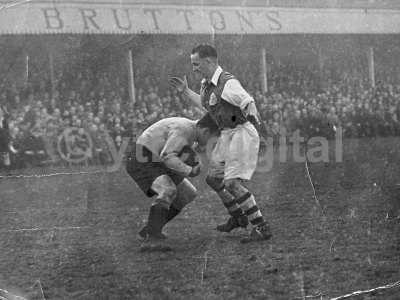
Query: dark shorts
column 144, row 167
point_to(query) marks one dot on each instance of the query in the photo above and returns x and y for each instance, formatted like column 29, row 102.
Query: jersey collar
column 215, row 77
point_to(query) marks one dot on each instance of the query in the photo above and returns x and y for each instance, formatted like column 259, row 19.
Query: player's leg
column 240, row 164
column 153, row 179
column 215, row 180
column 186, row 193
column 166, row 191
column 245, row 199
column 238, row 218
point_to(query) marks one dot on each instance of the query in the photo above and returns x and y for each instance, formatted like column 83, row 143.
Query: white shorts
column 235, row 154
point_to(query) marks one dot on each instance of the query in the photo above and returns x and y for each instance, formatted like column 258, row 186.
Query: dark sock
column 237, row 213
column 250, row 208
column 172, row 213
column 157, row 218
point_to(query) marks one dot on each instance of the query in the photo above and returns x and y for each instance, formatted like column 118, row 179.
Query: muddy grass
column 80, row 239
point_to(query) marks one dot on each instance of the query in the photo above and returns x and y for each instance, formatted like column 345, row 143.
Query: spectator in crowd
column 97, row 102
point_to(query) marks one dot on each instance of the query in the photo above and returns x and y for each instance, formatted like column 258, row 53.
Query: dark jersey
column 225, row 114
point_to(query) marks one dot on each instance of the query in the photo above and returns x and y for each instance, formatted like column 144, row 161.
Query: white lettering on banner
column 75, row 17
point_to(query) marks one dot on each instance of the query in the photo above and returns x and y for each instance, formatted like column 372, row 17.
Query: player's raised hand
column 179, row 83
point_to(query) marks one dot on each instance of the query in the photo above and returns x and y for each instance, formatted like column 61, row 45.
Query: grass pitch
column 74, row 236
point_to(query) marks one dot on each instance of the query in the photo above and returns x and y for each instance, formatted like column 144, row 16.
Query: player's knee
column 165, row 189
column 170, row 192
column 187, row 190
column 231, row 183
column 234, row 186
column 166, row 196
column 215, row 183
column 186, row 193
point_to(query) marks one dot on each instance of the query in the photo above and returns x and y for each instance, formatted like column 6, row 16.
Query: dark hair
column 205, row 50
column 208, row 122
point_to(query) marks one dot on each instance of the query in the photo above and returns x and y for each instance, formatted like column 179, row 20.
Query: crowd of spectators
column 98, row 108
column 299, row 101
column 98, row 105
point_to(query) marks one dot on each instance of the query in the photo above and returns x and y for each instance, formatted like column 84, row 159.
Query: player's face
column 199, row 65
column 203, row 136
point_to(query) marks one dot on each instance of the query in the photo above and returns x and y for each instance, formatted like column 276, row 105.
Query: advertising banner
column 131, row 18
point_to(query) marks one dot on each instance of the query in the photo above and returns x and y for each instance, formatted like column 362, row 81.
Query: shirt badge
column 213, row 99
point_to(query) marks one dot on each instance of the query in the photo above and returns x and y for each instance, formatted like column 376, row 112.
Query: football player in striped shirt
column 234, row 158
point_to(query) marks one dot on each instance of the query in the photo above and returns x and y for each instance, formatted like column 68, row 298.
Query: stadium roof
column 200, row 17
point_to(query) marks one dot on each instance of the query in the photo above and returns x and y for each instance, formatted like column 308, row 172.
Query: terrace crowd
column 98, row 105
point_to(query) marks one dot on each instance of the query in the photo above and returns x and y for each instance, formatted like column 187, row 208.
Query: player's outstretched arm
column 182, row 86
